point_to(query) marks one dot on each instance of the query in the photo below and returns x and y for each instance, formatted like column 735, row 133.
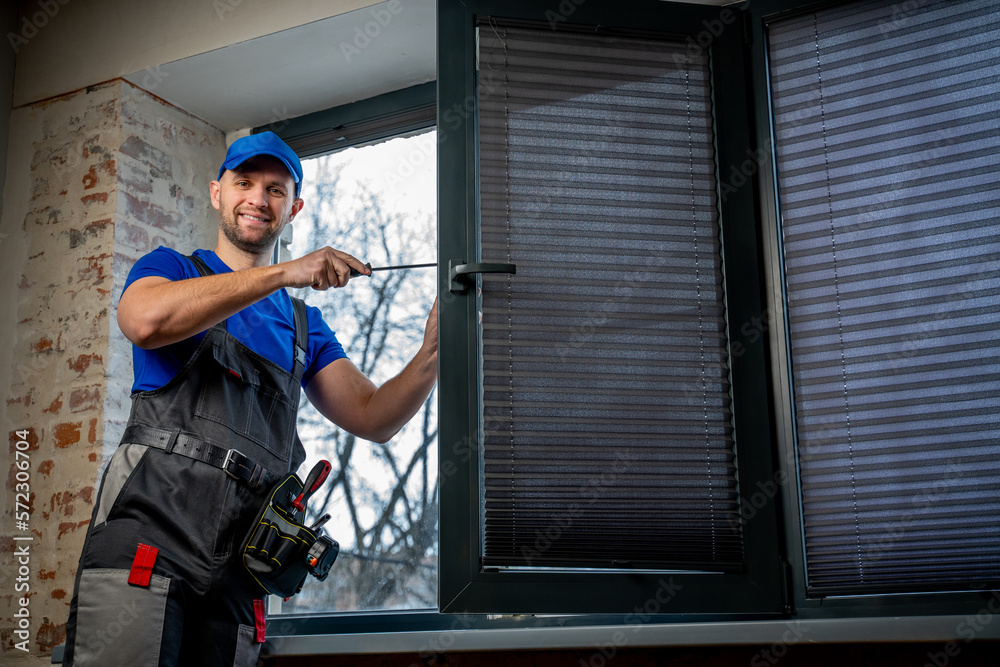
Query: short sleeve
column 163, row 262
column 324, row 348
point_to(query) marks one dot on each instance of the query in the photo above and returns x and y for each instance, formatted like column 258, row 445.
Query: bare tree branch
column 391, row 507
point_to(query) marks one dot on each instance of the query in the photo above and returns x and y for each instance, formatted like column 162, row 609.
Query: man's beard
column 238, row 237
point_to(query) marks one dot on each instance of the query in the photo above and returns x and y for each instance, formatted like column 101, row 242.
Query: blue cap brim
column 265, row 143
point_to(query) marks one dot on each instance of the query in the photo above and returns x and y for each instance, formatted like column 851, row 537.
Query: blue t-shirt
column 267, row 327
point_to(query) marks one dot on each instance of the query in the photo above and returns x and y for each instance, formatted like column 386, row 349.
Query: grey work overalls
column 176, row 485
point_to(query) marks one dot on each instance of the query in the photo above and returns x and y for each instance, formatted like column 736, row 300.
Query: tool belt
column 279, row 551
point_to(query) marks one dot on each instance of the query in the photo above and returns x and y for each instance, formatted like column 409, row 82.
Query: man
column 220, row 353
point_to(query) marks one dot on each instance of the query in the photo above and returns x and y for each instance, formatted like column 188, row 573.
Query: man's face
column 255, row 201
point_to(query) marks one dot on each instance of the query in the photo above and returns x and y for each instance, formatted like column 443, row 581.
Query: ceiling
column 322, row 64
column 297, row 71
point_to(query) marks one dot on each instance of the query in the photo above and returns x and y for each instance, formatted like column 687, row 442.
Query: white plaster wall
column 70, row 44
column 190, row 152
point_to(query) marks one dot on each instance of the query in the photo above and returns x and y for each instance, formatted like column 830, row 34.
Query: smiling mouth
column 255, row 219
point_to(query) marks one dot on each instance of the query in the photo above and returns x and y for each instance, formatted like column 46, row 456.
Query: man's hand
column 322, row 269
column 431, row 331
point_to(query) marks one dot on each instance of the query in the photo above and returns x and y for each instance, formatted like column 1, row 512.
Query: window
column 376, row 200
column 745, row 365
column 563, row 185
column 885, row 126
column 612, row 432
column 605, row 374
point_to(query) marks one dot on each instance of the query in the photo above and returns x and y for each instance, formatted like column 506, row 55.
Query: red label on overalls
column 142, row 565
column 259, row 619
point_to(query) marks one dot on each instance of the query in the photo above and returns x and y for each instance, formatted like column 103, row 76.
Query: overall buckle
column 239, row 464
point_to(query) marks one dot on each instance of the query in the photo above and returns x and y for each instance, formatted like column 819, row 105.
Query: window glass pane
column 606, row 409
column 378, row 203
column 887, row 137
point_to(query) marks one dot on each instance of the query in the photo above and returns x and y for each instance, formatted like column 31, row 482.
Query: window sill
column 960, row 629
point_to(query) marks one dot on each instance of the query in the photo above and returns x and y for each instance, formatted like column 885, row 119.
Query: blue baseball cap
column 265, row 143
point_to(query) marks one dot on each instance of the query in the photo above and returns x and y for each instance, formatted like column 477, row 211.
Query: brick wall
column 165, row 162
column 95, row 179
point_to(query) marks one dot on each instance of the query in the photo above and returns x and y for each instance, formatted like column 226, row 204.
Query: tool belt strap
column 235, row 464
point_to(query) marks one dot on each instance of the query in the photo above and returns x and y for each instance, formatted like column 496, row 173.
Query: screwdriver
column 315, row 479
column 355, row 273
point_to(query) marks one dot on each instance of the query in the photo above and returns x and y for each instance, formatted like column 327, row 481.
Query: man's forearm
column 398, row 399
column 345, row 396
column 153, row 313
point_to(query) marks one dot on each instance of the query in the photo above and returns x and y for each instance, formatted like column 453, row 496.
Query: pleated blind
column 606, row 420
column 889, row 181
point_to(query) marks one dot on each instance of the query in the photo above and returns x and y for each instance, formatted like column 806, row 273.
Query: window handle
column 458, row 269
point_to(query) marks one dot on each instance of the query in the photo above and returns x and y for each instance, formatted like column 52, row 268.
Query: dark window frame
column 464, row 584
column 759, row 15
column 759, row 194
column 398, row 113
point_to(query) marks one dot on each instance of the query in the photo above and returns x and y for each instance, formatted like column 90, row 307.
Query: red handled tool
column 315, row 480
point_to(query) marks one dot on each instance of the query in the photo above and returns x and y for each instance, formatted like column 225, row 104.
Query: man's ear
column 296, row 207
column 213, row 190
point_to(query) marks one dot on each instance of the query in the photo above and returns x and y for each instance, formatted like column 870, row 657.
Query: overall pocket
column 247, row 648
column 236, row 397
column 118, row 477
column 118, row 623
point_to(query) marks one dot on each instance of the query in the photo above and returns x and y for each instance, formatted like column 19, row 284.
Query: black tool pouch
column 279, row 551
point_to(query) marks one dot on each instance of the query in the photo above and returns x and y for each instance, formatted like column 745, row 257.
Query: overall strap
column 301, row 336
column 299, row 313
column 200, row 264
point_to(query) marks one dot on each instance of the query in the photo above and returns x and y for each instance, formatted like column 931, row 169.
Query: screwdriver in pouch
column 319, row 524
column 315, row 480
column 355, row 273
